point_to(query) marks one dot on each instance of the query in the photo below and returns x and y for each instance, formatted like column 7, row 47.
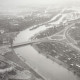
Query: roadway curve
column 71, row 41
column 65, row 36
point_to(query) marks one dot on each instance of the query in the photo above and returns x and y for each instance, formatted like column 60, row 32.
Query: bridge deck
column 31, row 42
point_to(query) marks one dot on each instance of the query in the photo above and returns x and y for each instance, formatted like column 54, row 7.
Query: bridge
column 31, row 42
column 46, row 39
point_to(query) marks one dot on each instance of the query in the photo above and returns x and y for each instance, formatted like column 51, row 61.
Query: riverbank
column 9, row 54
column 55, row 60
column 12, row 56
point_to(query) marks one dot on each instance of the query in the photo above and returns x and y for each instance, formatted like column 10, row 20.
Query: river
column 45, row 66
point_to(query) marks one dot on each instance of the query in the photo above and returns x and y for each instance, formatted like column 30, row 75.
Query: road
column 72, row 42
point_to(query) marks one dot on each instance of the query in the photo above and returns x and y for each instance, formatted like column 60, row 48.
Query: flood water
column 46, row 67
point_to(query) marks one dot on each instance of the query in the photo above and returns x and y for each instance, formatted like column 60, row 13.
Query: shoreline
column 54, row 60
column 16, row 59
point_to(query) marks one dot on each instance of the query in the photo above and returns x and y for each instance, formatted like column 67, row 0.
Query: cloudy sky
column 10, row 3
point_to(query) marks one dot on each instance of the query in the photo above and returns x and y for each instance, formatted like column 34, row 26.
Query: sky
column 25, row 2
column 10, row 3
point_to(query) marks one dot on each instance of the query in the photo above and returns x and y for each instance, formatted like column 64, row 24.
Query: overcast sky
column 10, row 3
